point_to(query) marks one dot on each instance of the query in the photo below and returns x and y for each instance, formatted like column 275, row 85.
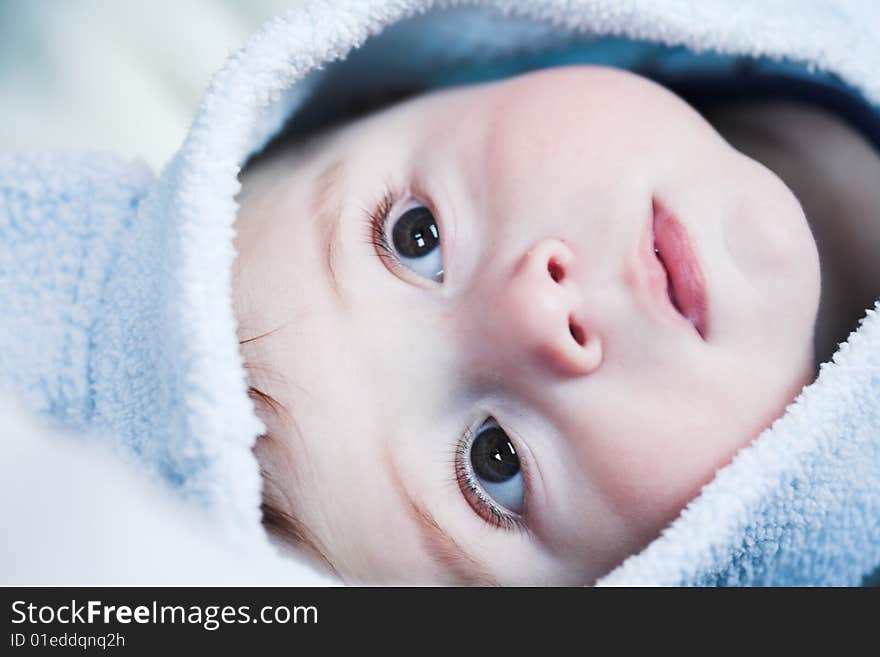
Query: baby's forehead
column 568, row 95
column 462, row 109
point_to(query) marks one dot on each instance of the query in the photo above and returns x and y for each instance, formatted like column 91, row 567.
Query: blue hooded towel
column 115, row 284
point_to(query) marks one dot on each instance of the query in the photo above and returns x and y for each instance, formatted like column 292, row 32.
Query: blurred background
column 114, row 75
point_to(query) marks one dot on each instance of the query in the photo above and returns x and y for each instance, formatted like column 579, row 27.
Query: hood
column 304, row 66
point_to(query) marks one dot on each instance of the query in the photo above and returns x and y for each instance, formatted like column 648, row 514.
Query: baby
column 539, row 315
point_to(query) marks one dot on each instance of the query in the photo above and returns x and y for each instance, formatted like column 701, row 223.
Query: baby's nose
column 540, row 312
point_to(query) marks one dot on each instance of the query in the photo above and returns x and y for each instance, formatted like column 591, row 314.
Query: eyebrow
column 446, row 551
column 326, row 206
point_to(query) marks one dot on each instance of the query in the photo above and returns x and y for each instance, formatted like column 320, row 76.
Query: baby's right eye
column 490, row 475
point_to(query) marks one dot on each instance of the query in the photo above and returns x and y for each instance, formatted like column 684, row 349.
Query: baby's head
column 505, row 332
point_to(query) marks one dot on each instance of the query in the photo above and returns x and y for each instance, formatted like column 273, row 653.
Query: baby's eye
column 492, row 479
column 496, row 466
column 415, row 242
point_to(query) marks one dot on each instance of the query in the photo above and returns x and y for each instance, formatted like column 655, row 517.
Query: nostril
column 576, row 332
column 557, row 273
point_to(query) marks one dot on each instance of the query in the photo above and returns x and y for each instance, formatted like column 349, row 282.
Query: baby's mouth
column 686, row 285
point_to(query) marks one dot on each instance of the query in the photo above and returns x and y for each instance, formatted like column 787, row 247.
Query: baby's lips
column 686, row 280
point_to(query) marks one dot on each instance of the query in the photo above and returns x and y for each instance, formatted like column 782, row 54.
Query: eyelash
column 376, row 225
column 473, row 492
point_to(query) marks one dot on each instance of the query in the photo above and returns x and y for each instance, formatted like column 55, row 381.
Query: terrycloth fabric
column 117, row 322
column 121, row 285
column 73, row 515
column 801, row 506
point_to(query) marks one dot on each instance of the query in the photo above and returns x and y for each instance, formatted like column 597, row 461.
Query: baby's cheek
column 650, row 475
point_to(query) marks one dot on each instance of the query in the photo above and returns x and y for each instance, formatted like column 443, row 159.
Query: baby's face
column 491, row 373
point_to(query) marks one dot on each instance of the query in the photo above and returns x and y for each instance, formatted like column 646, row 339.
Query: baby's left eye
column 415, row 240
